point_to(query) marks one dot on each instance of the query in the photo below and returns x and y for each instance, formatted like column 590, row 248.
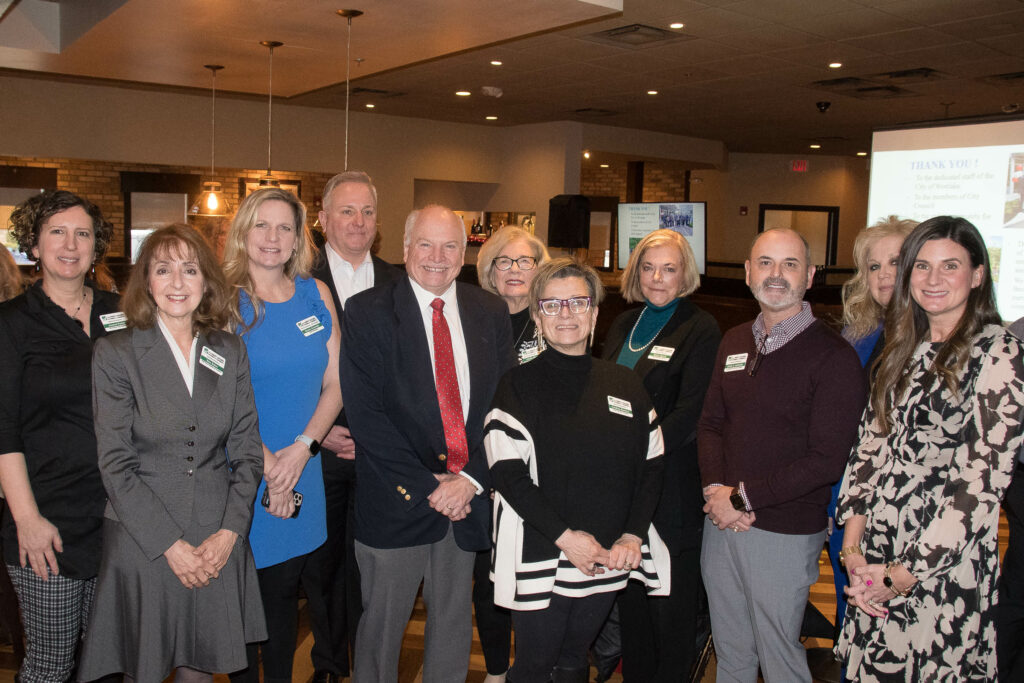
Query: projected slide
column 639, row 219
column 974, row 171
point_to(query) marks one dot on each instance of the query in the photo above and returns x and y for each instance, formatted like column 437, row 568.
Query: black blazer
column 383, row 273
column 388, row 384
column 676, row 387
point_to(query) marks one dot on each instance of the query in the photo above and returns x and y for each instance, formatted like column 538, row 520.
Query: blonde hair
column 11, row 282
column 494, row 245
column 631, row 290
column 236, row 256
column 861, row 313
column 184, row 242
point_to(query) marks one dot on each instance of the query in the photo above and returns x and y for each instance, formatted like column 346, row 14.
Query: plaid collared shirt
column 783, row 332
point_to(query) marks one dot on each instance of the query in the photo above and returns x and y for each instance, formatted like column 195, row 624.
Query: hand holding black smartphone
column 265, row 501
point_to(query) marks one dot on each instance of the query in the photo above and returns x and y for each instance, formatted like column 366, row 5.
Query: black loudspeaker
column 569, row 221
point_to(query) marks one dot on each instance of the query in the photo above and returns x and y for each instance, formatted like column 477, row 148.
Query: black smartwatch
column 737, row 501
column 312, row 444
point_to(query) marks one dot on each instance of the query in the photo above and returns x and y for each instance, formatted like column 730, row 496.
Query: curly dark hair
column 29, row 216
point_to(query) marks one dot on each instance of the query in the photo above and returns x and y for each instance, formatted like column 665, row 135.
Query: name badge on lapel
column 620, row 406
column 736, row 361
column 309, row 326
column 211, row 360
column 114, row 321
column 661, row 353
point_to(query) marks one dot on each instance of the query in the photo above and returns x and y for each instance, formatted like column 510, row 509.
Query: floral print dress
column 930, row 490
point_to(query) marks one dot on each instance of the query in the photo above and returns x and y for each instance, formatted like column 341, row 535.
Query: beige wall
column 754, row 179
column 529, row 164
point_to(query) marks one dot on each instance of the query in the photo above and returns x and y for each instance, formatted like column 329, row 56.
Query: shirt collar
column 336, row 260
column 423, row 297
column 784, row 331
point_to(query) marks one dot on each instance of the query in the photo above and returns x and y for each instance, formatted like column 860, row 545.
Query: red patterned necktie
column 448, row 397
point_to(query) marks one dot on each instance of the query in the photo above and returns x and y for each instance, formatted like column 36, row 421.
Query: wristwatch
column 737, row 500
column 312, row 444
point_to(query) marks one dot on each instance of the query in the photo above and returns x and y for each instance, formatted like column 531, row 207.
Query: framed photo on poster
column 247, row 186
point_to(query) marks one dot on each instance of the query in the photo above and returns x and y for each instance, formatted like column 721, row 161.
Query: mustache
column 775, row 282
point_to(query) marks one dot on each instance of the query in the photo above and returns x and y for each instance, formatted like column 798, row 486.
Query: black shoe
column 324, row 677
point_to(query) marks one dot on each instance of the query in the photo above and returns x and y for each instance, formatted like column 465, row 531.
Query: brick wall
column 661, row 183
column 100, row 182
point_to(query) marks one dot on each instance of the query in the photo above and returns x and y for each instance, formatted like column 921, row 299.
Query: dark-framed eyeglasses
column 576, row 305
column 505, row 262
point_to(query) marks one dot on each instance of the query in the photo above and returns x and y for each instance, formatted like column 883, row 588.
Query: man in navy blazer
column 346, row 266
column 416, row 521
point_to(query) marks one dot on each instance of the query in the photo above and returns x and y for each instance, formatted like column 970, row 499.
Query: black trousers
column 557, row 636
column 493, row 623
column 659, row 634
column 333, row 576
column 1010, row 611
column 279, row 588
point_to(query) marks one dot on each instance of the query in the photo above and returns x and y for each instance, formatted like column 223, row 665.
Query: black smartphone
column 265, row 501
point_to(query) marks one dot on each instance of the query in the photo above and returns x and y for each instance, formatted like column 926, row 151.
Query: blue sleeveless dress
column 287, row 369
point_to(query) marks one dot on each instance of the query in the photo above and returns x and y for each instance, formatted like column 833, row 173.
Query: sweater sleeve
column 710, row 438
column 838, row 400
column 512, row 459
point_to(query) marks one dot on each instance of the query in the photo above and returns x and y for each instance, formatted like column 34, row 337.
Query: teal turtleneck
column 648, row 325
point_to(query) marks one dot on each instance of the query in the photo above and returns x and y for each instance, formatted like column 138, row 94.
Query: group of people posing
column 180, row 461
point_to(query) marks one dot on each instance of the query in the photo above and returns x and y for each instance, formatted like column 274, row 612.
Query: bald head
column 779, row 272
column 435, row 247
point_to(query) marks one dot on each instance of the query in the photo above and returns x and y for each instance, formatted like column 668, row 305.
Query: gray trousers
column 758, row 583
column 390, row 579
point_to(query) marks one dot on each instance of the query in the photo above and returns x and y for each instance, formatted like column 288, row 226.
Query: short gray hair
column 559, row 269
column 348, row 177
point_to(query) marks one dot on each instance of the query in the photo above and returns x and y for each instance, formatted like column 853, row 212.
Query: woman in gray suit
column 181, row 457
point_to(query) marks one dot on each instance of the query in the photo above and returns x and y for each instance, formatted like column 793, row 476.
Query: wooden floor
column 822, row 596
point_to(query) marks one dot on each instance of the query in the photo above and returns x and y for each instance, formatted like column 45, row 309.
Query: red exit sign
column 798, row 165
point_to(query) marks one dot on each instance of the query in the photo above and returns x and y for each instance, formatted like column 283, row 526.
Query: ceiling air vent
column 918, row 75
column 843, row 85
column 592, row 112
column 1014, row 79
column 881, row 92
column 374, row 92
column 636, row 35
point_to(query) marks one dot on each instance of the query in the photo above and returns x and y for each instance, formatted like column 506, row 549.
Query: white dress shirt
column 461, row 357
column 349, row 280
column 185, row 365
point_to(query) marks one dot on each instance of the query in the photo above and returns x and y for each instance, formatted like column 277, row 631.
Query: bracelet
column 887, row 580
column 847, row 551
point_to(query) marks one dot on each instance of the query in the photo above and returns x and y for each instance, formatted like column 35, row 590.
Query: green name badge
column 736, row 361
column 620, row 406
column 114, row 321
column 211, row 360
column 661, row 353
column 310, row 325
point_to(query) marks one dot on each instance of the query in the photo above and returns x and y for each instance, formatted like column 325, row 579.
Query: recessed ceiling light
column 835, row 65
column 604, row 165
column 462, row 93
column 495, row 62
column 652, row 92
column 370, row 106
column 586, row 155
column 676, row 24
column 491, row 118
column 815, row 146
column 862, row 154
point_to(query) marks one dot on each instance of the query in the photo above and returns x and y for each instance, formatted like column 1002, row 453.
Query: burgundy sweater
column 786, row 432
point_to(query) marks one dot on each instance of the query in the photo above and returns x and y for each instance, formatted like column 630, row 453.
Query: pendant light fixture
column 349, row 15
column 211, row 202
column 269, row 180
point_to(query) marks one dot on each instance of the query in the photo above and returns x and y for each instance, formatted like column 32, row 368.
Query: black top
column 595, row 468
column 46, row 414
column 676, row 369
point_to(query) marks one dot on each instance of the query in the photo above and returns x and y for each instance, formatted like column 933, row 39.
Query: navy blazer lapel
column 477, row 345
column 205, row 380
column 684, row 311
column 159, row 369
column 414, row 352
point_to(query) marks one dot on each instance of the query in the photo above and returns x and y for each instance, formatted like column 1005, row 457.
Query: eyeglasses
column 576, row 305
column 505, row 262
